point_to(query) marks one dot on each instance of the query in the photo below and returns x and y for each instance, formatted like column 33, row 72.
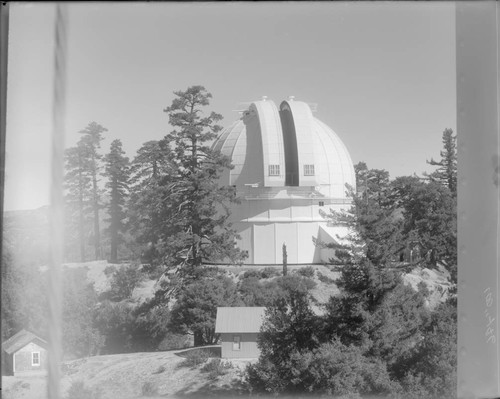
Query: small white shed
column 24, row 352
column 239, row 327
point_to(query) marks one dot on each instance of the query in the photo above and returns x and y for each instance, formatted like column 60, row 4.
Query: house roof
column 21, row 339
column 239, row 319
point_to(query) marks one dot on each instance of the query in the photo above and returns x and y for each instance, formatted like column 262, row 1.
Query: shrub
column 196, row 307
column 195, row 358
column 149, row 389
column 325, row 279
column 331, row 369
column 251, row 273
column 423, row 288
column 307, row 271
column 216, row 368
column 269, row 272
column 123, row 281
column 254, row 292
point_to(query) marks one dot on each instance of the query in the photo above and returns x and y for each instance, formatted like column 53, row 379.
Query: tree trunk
column 81, row 221
column 198, row 338
column 114, row 223
column 97, row 236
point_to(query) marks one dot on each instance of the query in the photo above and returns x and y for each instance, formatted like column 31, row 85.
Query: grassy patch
column 216, row 368
column 159, row 370
column 77, row 390
column 194, row 358
column 149, row 389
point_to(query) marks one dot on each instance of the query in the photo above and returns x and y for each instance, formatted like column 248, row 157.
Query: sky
column 383, row 75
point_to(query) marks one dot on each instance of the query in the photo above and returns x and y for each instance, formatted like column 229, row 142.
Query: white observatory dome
column 286, row 148
column 287, row 166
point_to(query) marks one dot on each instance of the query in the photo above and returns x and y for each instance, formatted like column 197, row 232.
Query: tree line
column 165, row 206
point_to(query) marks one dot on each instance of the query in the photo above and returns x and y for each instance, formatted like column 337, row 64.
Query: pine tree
column 91, row 140
column 446, row 173
column 149, row 167
column 430, row 219
column 195, row 209
column 373, row 219
column 376, row 312
column 77, row 184
column 117, row 172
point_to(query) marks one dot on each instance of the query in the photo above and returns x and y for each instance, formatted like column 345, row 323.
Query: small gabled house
column 238, row 328
column 24, row 352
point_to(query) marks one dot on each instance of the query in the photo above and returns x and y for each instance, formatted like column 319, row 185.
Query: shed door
column 236, row 343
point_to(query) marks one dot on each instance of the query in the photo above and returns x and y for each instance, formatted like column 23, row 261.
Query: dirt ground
column 159, row 374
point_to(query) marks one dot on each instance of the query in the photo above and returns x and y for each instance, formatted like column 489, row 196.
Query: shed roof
column 239, row 319
column 21, row 339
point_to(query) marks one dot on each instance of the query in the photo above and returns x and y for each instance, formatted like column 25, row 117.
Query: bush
column 251, row 273
column 325, row 279
column 124, row 279
column 77, row 390
column 331, row 369
column 195, row 309
column 254, row 292
column 307, row 271
column 269, row 272
column 195, row 358
column 149, row 389
column 216, row 368
column 293, row 282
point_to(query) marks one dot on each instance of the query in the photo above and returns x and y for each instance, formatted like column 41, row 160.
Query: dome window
column 274, row 170
column 308, row 170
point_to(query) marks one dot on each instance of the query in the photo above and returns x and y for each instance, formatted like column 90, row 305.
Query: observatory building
column 288, row 165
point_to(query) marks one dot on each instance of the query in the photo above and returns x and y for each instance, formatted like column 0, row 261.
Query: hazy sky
column 383, row 75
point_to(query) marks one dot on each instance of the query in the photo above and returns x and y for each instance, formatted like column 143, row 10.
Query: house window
column 274, row 170
column 236, row 342
column 35, row 358
column 308, row 170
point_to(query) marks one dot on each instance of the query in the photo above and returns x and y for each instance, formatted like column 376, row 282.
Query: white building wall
column 264, row 244
column 265, row 224
column 287, row 233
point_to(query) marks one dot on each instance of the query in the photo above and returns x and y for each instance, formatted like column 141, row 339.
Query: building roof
column 301, row 150
column 21, row 339
column 239, row 319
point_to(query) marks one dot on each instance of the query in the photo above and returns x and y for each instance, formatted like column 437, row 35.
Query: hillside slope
column 436, row 280
column 159, row 374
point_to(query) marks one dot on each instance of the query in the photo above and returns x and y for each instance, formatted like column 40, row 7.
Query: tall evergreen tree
column 148, row 168
column 118, row 174
column 377, row 312
column 446, row 173
column 430, row 219
column 373, row 218
column 77, row 184
column 91, row 140
column 195, row 209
